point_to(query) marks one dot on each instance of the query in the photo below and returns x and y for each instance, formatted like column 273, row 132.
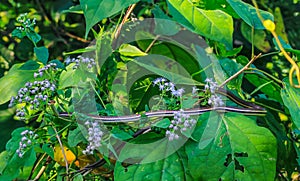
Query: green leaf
column 272, row 89
column 13, row 81
column 182, row 77
column 75, row 136
column 230, row 68
column 96, row 10
column 42, row 54
column 30, row 65
column 33, row 36
column 18, row 33
column 58, row 63
column 248, row 13
column 131, row 51
column 291, row 99
column 174, row 167
column 4, row 159
column 164, row 123
column 47, row 149
column 259, row 39
column 214, row 24
column 164, row 24
column 120, row 134
column 235, row 148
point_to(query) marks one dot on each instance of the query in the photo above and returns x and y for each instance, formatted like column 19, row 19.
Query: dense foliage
column 155, row 90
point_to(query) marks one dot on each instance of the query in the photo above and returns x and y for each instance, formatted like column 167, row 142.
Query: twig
column 240, row 71
column 152, row 43
column 128, row 12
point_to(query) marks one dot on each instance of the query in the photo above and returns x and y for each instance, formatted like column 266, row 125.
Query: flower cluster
column 34, row 95
column 181, row 122
column 163, row 85
column 94, row 137
column 26, row 141
column 89, row 62
column 25, row 22
column 46, row 68
column 214, row 99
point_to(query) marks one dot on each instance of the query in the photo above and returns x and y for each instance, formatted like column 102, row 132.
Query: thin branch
column 152, row 43
column 240, row 71
column 129, row 11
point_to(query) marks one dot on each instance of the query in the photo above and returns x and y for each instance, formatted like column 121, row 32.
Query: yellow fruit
column 59, row 157
column 269, row 25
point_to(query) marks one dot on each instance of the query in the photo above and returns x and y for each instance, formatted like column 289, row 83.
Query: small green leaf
column 291, row 99
column 131, row 51
column 18, row 33
column 47, row 149
column 58, row 64
column 164, row 123
column 33, row 36
column 42, row 54
column 120, row 134
column 75, row 136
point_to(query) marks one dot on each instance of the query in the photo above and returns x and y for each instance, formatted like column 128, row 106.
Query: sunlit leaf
column 214, row 24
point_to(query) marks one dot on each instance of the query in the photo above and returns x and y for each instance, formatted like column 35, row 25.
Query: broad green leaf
column 238, row 149
column 16, row 163
column 73, row 77
column 131, row 51
column 173, row 167
column 96, row 10
column 42, row 54
column 13, row 81
column 272, row 90
column 180, row 77
column 214, row 24
column 248, row 13
column 182, row 56
column 291, row 99
column 259, row 39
